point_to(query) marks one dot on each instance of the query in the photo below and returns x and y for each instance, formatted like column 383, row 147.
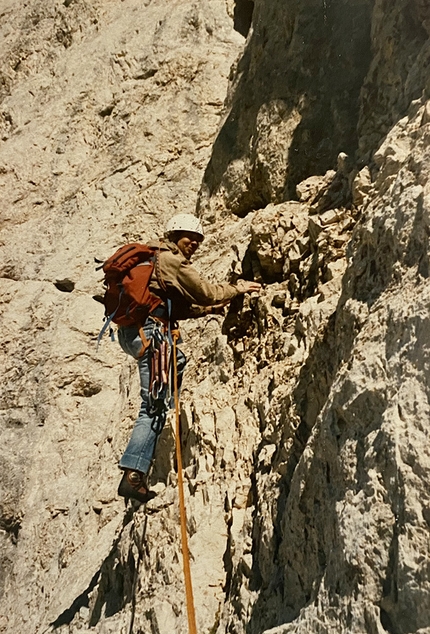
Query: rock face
column 294, row 102
column 305, row 410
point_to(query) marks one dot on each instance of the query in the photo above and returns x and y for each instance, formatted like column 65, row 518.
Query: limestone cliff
column 301, row 132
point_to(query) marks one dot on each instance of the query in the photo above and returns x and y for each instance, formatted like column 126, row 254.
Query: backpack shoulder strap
column 158, row 268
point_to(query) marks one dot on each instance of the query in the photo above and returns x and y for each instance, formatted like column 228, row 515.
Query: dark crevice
column 309, row 397
column 386, row 623
column 11, row 524
column 227, row 558
column 82, row 601
column 107, row 111
column 65, row 286
column 394, row 618
column 115, row 588
column 111, row 569
column 243, row 10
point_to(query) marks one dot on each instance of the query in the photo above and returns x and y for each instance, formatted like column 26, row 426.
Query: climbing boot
column 133, row 485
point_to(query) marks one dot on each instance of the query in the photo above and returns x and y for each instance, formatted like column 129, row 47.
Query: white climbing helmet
column 184, row 222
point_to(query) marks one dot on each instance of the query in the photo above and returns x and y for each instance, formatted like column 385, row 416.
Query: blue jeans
column 152, row 416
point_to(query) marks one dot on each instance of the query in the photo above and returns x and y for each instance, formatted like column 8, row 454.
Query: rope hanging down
column 185, row 552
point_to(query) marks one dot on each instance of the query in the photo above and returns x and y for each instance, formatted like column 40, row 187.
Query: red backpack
column 127, row 298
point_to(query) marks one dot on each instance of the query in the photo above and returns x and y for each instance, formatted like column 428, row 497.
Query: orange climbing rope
column 185, row 552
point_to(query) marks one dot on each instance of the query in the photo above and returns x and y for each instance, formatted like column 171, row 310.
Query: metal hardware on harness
column 159, row 385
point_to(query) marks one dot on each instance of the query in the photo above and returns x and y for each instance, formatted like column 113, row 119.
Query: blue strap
column 108, row 323
column 105, row 327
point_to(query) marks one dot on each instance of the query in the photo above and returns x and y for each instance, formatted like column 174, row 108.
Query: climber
column 184, row 295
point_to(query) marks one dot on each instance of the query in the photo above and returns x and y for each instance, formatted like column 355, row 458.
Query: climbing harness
column 182, row 512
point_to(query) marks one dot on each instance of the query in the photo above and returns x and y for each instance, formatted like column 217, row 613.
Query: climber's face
column 188, row 243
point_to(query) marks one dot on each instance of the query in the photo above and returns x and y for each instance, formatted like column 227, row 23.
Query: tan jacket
column 181, row 283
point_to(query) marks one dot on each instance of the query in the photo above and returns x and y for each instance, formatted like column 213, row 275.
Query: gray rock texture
column 300, row 131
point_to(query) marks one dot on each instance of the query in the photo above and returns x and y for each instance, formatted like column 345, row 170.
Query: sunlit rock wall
column 305, row 409
column 108, row 113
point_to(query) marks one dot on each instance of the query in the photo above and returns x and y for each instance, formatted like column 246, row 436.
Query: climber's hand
column 243, row 286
